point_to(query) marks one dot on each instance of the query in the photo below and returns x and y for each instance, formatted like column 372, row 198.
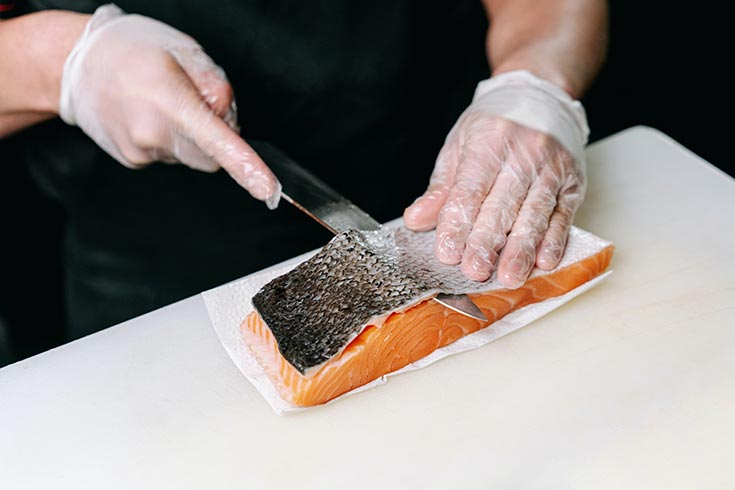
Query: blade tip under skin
column 462, row 304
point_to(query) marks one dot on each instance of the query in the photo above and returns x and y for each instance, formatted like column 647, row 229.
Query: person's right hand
column 145, row 92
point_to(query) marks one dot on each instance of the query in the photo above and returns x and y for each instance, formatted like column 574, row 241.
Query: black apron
column 362, row 93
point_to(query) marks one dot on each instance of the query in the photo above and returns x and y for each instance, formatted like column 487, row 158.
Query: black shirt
column 362, row 93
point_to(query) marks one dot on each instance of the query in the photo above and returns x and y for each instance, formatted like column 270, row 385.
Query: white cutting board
column 629, row 386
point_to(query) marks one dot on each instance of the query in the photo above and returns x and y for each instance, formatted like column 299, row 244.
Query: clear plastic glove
column 508, row 180
column 145, row 92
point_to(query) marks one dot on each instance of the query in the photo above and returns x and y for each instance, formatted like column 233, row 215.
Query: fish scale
column 318, row 308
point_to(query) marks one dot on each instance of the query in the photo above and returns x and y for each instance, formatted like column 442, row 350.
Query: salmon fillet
column 394, row 341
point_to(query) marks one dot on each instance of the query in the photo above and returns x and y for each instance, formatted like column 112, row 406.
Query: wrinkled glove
column 145, row 92
column 509, row 178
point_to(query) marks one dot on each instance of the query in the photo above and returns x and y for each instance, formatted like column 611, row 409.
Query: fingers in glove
column 479, row 164
column 519, row 253
column 555, row 240
column 215, row 139
column 153, row 139
column 494, row 221
column 184, row 150
column 422, row 215
column 210, row 81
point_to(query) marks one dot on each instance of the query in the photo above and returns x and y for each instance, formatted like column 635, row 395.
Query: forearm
column 563, row 41
column 35, row 47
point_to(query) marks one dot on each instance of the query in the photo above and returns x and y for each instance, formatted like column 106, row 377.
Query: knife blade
column 329, row 208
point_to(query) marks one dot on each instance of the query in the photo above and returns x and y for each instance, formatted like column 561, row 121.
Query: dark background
column 666, row 69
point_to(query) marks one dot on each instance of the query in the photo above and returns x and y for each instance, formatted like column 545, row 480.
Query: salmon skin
column 315, row 310
column 360, row 308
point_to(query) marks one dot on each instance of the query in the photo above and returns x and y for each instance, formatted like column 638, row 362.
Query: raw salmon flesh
column 394, row 341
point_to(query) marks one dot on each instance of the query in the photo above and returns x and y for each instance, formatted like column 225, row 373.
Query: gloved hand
column 145, row 92
column 509, row 178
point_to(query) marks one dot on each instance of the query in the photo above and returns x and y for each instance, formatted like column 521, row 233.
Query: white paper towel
column 228, row 305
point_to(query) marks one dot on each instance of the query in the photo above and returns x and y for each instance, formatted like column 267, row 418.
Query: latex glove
column 145, row 92
column 509, row 178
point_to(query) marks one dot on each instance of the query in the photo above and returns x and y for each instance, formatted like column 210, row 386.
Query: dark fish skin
column 316, row 309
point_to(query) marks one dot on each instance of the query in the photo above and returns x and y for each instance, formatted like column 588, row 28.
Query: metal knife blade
column 311, row 195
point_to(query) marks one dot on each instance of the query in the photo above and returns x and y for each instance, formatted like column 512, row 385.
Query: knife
column 336, row 213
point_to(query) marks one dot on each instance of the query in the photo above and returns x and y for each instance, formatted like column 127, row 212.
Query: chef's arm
column 563, row 41
column 34, row 48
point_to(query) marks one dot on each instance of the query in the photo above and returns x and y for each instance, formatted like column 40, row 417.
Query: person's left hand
column 501, row 195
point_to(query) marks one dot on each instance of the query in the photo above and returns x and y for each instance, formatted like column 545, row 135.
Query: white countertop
column 629, row 386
